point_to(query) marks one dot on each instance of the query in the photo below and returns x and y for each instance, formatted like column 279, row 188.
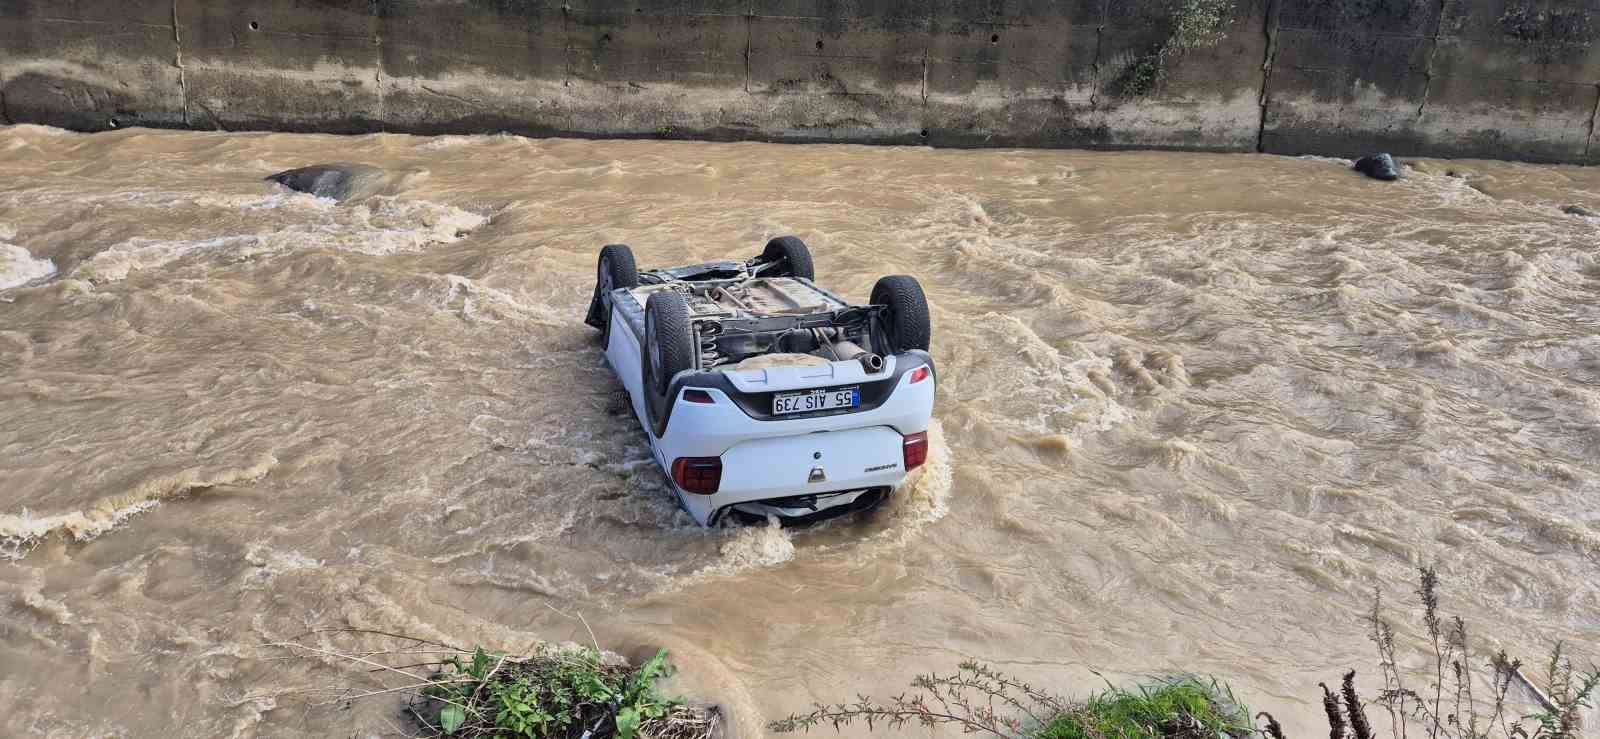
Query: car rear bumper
column 777, row 457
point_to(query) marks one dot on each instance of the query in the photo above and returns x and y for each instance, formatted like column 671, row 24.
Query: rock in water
column 1378, row 167
column 1579, row 210
column 338, row 181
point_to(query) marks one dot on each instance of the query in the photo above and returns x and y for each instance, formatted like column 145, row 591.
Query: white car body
column 773, row 464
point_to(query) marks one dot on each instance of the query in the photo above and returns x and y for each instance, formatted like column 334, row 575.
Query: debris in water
column 1378, row 167
column 339, row 182
column 1579, row 210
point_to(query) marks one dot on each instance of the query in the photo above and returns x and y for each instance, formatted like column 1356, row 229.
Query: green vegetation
column 979, row 700
column 1195, row 24
column 554, row 694
column 1184, row 707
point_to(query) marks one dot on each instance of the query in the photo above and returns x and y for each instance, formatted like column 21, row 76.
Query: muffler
column 848, row 350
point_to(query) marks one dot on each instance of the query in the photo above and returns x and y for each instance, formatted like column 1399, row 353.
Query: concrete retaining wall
column 1517, row 79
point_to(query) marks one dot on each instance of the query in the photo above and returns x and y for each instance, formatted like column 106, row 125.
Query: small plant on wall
column 1195, row 24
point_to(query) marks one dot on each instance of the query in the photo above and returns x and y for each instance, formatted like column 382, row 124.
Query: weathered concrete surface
column 89, row 65
column 1503, row 78
column 282, row 64
column 1513, row 79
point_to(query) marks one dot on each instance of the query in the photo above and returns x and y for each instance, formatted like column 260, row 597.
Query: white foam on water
column 382, row 227
column 752, row 547
column 391, row 225
column 451, row 142
column 481, row 303
column 926, row 498
column 21, row 532
column 271, row 562
column 19, row 267
column 116, row 263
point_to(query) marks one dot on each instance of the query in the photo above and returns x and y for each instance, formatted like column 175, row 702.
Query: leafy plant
column 553, row 694
column 550, row 693
column 1195, row 24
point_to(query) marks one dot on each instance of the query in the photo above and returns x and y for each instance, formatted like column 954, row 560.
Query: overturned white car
column 762, row 393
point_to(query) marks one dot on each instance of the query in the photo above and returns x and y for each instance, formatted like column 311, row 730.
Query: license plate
column 816, row 400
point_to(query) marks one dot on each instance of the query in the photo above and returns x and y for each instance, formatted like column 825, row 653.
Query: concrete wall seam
column 1588, row 142
column 1269, row 28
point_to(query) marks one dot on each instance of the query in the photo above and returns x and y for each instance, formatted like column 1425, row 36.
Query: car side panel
column 625, row 355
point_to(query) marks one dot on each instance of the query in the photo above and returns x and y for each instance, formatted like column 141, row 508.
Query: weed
column 1195, row 24
column 1183, row 707
column 977, row 699
column 550, row 693
column 1570, row 690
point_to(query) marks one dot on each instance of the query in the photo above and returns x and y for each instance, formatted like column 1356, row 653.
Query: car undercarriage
column 763, row 394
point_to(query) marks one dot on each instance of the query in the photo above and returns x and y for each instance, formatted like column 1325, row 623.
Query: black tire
column 793, row 257
column 668, row 345
column 615, row 269
column 906, row 323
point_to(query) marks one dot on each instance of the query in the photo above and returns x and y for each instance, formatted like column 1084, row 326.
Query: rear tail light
column 698, row 396
column 919, row 374
column 916, row 448
column 702, row 475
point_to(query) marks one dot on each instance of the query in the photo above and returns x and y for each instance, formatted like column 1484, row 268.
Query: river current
column 1193, row 409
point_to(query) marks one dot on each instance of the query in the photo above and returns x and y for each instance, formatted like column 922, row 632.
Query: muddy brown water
column 1193, row 408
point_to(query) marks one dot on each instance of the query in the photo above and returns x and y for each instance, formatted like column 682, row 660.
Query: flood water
column 1193, row 409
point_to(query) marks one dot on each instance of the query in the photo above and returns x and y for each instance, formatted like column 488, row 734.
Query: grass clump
column 1183, row 707
column 980, row 700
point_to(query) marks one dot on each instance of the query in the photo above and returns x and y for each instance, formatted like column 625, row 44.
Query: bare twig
column 580, row 620
column 1538, row 695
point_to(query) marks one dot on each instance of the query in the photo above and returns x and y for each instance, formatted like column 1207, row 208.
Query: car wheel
column 792, row 256
column 668, row 346
column 616, row 269
column 906, row 322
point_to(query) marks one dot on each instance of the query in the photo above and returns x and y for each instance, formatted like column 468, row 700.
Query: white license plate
column 816, row 400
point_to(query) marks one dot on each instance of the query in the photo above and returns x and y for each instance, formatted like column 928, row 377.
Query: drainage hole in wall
column 112, row 123
column 995, row 39
column 924, row 133
column 819, row 45
column 254, row 26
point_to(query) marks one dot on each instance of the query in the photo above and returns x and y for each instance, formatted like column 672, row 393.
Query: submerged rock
column 338, row 181
column 1579, row 210
column 1378, row 167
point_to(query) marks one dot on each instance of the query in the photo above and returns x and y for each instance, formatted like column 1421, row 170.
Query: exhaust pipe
column 847, row 350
